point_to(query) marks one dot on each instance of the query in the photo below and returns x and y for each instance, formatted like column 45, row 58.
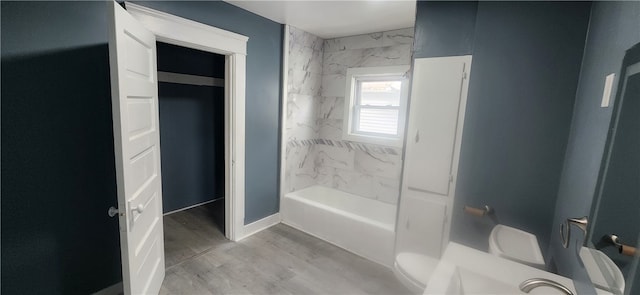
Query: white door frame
column 284, row 187
column 179, row 31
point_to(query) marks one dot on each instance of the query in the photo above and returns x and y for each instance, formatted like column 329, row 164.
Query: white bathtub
column 360, row 225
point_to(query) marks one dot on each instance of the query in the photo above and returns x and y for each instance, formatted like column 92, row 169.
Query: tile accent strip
column 368, row 148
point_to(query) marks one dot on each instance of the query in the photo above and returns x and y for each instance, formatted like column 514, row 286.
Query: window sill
column 371, row 139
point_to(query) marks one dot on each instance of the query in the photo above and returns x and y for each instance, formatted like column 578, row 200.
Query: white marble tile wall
column 359, row 171
column 367, row 170
column 316, row 153
column 300, row 171
column 373, row 40
column 303, row 100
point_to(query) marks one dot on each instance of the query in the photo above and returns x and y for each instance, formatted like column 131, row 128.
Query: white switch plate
column 608, row 86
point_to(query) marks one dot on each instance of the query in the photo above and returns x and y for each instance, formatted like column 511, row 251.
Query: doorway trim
column 179, row 31
column 283, row 185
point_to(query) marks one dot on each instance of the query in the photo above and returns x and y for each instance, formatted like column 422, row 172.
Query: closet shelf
column 177, row 78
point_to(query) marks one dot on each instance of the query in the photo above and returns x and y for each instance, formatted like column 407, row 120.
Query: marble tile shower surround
column 303, row 94
column 315, row 151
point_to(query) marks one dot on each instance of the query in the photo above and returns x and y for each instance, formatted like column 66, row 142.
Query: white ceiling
column 332, row 19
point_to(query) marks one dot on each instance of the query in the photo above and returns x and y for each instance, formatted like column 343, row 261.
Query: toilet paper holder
column 478, row 211
column 622, row 248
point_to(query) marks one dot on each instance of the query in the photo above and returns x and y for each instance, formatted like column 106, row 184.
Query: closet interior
column 191, row 108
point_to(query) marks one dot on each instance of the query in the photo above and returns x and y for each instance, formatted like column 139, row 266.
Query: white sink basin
column 451, row 279
column 464, row 270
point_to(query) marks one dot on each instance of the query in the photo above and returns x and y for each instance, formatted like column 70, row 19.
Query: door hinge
column 464, row 75
column 450, row 177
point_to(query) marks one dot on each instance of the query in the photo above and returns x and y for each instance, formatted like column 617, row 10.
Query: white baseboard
column 192, row 206
column 259, row 225
column 115, row 289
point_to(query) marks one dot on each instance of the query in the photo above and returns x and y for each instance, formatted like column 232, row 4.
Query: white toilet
column 419, row 241
column 516, row 245
column 414, row 270
column 603, row 272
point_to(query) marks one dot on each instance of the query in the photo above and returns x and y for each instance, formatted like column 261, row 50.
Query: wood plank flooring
column 279, row 260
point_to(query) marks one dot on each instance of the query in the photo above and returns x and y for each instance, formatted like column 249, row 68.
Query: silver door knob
column 138, row 209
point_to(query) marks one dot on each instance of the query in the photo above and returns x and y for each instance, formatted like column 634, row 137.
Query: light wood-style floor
column 279, row 260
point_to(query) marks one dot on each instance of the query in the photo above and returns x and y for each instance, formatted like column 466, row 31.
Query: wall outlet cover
column 608, row 86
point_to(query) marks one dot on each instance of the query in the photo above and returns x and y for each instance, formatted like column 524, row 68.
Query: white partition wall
column 437, row 105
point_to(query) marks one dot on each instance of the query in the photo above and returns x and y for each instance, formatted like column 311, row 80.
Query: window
column 376, row 105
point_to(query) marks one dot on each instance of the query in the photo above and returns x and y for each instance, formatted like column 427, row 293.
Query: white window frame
column 352, row 78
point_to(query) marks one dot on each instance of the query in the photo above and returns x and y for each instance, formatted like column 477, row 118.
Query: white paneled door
column 134, row 87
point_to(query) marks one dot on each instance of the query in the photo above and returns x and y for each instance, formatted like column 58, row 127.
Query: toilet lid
column 415, row 266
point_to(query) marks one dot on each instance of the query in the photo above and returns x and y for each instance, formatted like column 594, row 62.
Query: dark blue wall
column 192, row 142
column 613, row 29
column 526, row 60
column 264, row 58
column 58, row 166
column 444, row 28
column 191, row 129
column 58, row 169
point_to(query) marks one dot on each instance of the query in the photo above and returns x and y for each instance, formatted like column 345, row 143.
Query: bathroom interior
column 483, row 148
column 465, row 192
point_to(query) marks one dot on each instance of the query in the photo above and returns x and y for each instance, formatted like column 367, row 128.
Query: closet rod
column 189, row 79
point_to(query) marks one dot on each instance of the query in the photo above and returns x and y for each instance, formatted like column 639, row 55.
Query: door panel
column 132, row 54
column 420, row 224
column 435, row 99
column 141, row 122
